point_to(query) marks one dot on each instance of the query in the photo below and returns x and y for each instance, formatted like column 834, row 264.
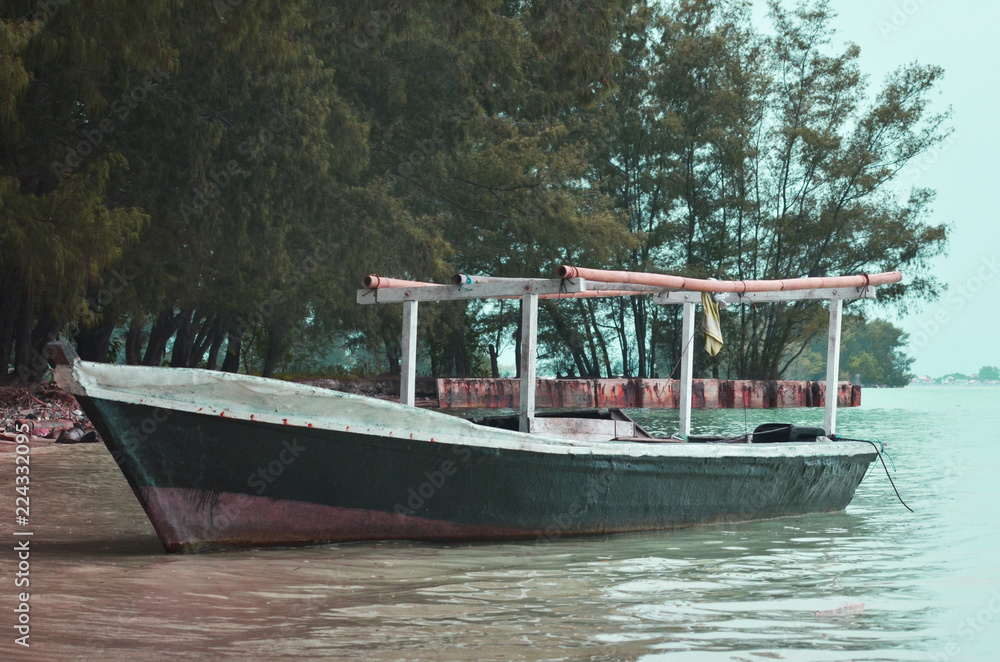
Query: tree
column 488, row 161
column 872, row 353
column 989, row 372
column 60, row 221
column 769, row 160
column 207, row 183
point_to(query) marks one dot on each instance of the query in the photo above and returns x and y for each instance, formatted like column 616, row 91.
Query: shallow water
column 101, row 587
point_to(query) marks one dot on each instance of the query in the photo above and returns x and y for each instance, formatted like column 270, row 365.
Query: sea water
column 875, row 582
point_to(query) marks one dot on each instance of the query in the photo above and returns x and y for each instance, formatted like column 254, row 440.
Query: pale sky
column 958, row 332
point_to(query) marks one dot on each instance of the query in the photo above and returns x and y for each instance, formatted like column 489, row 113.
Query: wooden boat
column 228, row 460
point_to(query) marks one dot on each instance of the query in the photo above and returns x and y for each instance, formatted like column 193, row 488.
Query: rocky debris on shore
column 49, row 412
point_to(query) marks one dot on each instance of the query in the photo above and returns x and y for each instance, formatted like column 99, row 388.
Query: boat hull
column 209, row 481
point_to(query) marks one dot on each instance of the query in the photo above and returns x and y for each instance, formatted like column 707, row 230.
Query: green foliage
column 875, row 352
column 206, row 183
column 62, row 225
column 989, row 372
column 871, row 353
column 739, row 153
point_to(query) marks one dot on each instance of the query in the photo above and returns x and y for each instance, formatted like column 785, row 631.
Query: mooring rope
column 878, row 452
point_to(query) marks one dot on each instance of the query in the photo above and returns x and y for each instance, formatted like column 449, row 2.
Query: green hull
column 211, row 481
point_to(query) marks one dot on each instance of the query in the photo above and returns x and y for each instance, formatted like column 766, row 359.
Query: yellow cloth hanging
column 711, row 325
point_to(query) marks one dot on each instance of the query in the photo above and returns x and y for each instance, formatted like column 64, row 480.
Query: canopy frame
column 579, row 282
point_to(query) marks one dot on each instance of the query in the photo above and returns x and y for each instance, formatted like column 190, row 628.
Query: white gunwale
column 302, row 407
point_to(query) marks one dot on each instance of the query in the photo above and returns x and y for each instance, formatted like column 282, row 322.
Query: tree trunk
column 182, row 342
column 28, row 367
column 580, row 361
column 623, row 338
column 163, row 328
column 494, row 360
column 592, row 333
column 393, row 355
column 675, row 346
column 10, row 303
column 213, row 352
column 460, row 356
column 203, row 339
column 601, row 342
column 276, row 332
column 133, row 343
column 232, row 361
column 567, row 331
column 46, row 330
column 92, row 344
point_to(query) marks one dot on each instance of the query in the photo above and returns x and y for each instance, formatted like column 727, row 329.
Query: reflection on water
column 101, row 585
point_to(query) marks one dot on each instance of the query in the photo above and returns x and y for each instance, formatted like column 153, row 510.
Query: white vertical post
column 529, row 346
column 833, row 365
column 408, row 378
column 687, row 368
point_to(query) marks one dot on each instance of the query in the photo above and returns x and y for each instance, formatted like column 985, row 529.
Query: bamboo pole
column 374, row 282
column 739, row 286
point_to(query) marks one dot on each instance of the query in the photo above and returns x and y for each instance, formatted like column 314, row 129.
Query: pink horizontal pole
column 378, row 282
column 738, row 286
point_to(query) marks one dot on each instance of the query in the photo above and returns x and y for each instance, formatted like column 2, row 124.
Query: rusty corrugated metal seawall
column 484, row 393
column 642, row 393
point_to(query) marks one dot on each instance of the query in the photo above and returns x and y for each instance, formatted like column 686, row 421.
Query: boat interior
column 615, row 425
